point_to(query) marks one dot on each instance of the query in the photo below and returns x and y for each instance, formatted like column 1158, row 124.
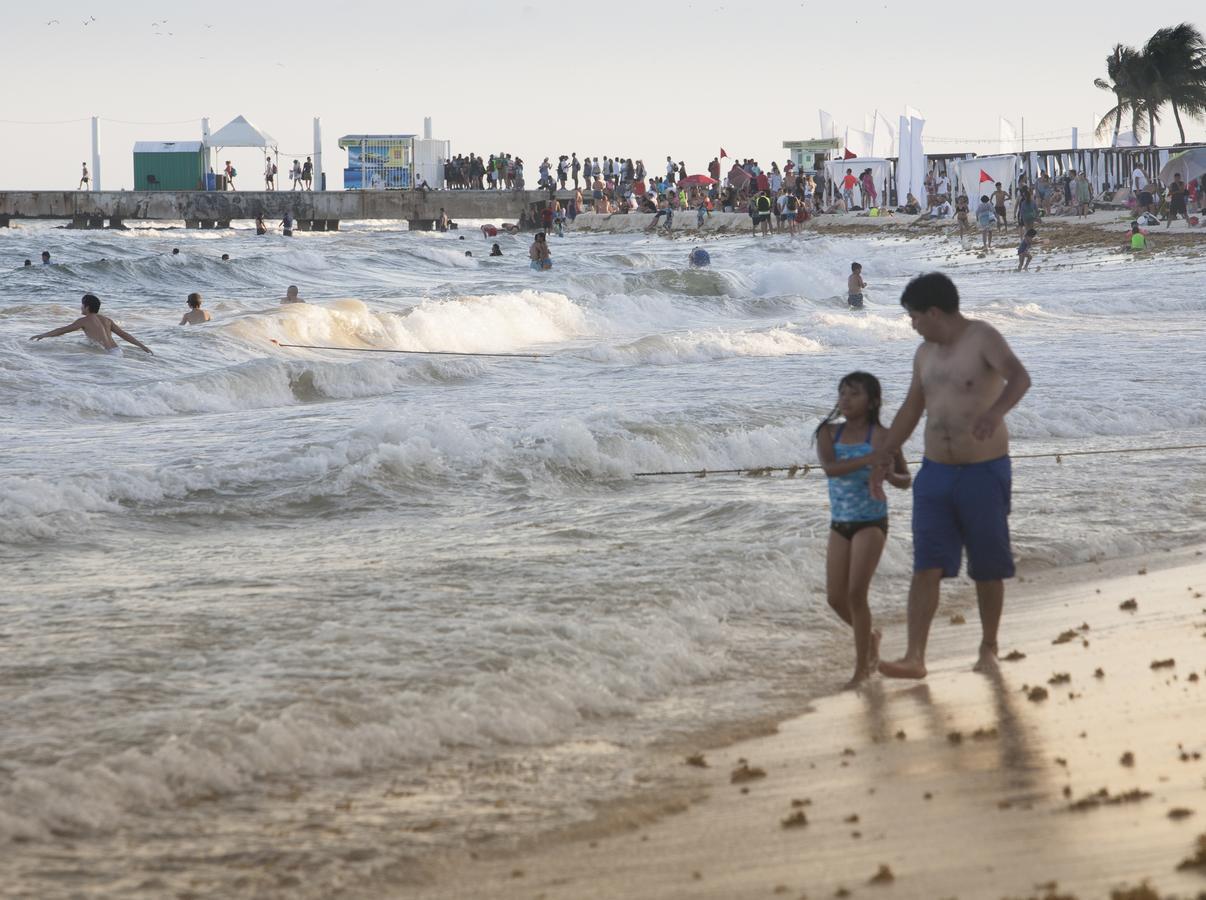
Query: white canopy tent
column 238, row 132
column 881, row 172
column 986, row 170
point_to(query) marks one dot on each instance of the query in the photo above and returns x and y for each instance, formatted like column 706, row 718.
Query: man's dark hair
column 929, row 291
column 194, row 300
column 46, row 254
column 91, row 303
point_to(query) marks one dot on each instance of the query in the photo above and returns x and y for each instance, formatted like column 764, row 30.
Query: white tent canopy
column 881, row 171
column 987, row 170
column 240, row 133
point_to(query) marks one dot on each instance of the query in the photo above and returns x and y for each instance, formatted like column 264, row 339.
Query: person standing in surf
column 859, row 522
column 538, row 253
column 965, row 380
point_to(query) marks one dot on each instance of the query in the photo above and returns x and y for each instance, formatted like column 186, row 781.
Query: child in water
column 859, row 525
column 1024, row 254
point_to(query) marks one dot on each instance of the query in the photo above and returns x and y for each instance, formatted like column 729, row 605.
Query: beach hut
column 169, row 165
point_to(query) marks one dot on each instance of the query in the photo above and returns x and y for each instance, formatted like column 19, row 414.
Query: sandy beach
column 1073, row 772
column 1103, row 228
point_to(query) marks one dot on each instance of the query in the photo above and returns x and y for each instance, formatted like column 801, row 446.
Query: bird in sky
column 53, row 22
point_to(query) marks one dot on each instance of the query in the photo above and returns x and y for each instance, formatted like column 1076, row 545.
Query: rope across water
column 804, row 468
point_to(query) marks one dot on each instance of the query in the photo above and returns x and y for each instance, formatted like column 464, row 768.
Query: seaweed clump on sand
column 1103, row 797
column 697, row 760
column 1050, row 891
column 883, row 876
column 1198, row 860
column 744, row 772
column 795, row 820
column 1142, row 892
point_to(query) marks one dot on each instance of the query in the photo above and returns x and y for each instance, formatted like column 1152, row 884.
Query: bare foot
column 860, row 678
column 987, row 663
column 903, row 668
column 873, row 649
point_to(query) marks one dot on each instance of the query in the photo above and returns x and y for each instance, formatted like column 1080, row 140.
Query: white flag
column 1008, row 141
column 826, row 125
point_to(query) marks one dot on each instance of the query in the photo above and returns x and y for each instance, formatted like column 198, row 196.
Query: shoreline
column 1102, row 228
column 1006, row 784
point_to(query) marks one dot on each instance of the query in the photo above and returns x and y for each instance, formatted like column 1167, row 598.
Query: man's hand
column 986, row 425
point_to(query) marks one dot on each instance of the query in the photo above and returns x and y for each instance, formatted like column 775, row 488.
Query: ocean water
column 294, row 621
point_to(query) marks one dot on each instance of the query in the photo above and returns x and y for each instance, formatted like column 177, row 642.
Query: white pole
column 1075, row 138
column 318, row 151
column 96, row 172
column 209, row 163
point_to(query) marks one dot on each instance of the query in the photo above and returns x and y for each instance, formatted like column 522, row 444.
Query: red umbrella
column 697, row 179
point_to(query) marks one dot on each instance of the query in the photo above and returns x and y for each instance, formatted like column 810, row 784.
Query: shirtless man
column 195, row 315
column 965, row 379
column 291, row 295
column 99, row 329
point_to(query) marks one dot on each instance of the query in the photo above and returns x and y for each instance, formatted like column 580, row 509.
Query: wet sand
column 1082, row 762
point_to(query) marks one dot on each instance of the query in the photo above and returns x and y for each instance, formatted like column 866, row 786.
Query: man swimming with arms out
column 965, row 379
column 98, row 329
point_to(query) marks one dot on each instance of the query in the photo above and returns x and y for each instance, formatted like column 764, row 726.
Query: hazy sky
column 535, row 78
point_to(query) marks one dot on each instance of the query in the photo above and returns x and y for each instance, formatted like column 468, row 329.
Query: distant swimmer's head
column 194, row 300
column 29, row 262
column 225, row 257
column 856, row 267
column 929, row 300
column 175, row 251
column 90, row 303
column 700, row 257
column 291, row 293
column 45, row 256
column 468, row 252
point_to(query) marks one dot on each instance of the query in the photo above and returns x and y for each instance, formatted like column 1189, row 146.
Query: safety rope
column 416, row 352
column 804, row 468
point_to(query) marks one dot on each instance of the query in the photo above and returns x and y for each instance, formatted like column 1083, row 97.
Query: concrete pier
column 312, row 211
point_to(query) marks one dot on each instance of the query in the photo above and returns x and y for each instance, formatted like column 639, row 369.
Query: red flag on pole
column 722, row 153
column 850, row 155
column 984, row 176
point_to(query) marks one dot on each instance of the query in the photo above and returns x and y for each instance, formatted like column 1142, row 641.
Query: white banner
column 826, row 125
column 917, row 160
column 904, row 167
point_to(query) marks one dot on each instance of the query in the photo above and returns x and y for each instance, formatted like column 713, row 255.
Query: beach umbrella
column 1190, row 163
column 703, row 180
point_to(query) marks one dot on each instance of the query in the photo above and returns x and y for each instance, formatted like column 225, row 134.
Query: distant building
column 811, row 155
column 383, row 162
column 169, row 166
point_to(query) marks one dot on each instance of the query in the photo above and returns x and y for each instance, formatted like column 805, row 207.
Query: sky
column 537, row 78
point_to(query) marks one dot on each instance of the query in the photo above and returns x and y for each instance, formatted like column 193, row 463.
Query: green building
column 169, row 166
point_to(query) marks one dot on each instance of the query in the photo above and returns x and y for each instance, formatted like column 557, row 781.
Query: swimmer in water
column 291, row 295
column 700, row 258
column 195, row 315
column 496, row 250
column 98, row 329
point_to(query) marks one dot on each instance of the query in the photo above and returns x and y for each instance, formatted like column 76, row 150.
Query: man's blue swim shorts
column 957, row 506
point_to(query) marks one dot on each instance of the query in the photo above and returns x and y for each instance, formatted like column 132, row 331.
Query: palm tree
column 1174, row 60
column 1124, row 70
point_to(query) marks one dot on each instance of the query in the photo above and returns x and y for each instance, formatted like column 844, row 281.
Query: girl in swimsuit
column 859, row 526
